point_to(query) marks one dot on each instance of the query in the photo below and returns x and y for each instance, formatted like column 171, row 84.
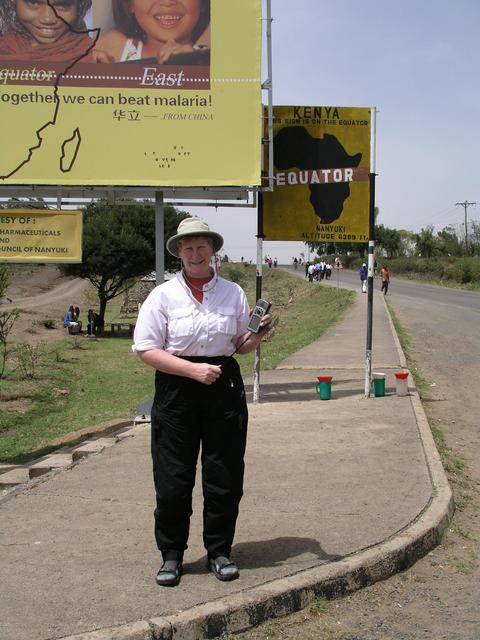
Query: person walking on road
column 363, row 277
column 187, row 329
column 385, row 278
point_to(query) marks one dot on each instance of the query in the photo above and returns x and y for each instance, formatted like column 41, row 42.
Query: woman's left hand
column 265, row 325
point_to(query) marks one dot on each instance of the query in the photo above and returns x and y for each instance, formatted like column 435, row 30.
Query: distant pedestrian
column 295, row 263
column 311, row 272
column 69, row 317
column 385, row 278
column 307, row 264
column 363, row 277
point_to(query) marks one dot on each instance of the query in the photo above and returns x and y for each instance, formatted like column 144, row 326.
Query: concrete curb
column 401, row 355
column 242, row 611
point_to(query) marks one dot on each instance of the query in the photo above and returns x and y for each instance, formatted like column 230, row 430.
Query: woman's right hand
column 172, row 48
column 205, row 373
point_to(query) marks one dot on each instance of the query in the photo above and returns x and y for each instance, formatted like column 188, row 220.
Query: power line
column 433, row 218
column 465, row 204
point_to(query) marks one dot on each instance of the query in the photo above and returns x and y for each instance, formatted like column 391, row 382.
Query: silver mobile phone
column 262, row 307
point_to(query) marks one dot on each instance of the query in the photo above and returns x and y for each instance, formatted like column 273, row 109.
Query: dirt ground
column 438, row 598
column 44, row 294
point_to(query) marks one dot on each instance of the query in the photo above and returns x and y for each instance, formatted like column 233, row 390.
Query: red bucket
column 401, row 375
column 324, row 378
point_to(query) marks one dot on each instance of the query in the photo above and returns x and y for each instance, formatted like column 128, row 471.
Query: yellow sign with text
column 322, row 165
column 40, row 235
column 119, row 98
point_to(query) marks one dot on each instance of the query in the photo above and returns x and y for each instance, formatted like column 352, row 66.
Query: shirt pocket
column 180, row 323
column 227, row 320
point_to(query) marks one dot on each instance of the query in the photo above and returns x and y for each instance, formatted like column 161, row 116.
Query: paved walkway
column 338, row 494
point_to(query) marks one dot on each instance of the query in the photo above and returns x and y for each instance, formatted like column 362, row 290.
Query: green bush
column 235, row 274
column 453, row 270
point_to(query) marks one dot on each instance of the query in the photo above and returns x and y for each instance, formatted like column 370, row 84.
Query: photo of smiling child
column 158, row 31
column 37, row 31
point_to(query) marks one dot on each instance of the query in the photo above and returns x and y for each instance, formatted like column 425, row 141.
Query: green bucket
column 378, row 385
column 324, row 387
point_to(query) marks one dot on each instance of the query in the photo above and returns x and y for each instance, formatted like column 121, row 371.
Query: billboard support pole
column 258, row 291
column 269, row 87
column 371, row 259
column 159, row 238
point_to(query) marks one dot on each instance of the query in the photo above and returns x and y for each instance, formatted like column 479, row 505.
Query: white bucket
column 401, row 383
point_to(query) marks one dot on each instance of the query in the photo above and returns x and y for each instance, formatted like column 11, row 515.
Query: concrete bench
column 122, row 328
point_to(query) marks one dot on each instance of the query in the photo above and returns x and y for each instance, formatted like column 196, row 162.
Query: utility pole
column 465, row 205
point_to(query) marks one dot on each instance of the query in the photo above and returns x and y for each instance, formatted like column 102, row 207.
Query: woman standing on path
column 187, row 330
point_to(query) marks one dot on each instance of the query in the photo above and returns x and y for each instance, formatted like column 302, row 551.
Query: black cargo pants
column 185, row 414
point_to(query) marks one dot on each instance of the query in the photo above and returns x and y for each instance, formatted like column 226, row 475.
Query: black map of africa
column 295, row 147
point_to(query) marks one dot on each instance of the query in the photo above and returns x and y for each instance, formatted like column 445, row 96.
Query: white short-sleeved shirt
column 171, row 319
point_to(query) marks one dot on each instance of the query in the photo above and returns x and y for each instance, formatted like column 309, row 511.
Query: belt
column 208, row 359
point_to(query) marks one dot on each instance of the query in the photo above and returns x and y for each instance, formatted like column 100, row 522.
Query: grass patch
column 453, row 465
column 74, row 388
column 466, row 568
column 405, row 342
column 318, row 606
column 81, row 382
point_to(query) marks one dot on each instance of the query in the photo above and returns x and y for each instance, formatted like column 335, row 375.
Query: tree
column 474, row 238
column 449, row 243
column 388, row 239
column 425, row 242
column 7, row 320
column 119, row 246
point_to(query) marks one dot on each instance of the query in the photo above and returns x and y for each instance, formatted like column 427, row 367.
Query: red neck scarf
column 68, row 48
column 194, row 284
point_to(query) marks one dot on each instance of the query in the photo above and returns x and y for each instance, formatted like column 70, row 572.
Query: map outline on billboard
column 102, row 108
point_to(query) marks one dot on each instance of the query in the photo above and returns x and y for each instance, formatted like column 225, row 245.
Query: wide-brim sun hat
column 193, row 227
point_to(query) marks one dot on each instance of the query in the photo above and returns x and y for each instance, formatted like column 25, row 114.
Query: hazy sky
column 417, row 62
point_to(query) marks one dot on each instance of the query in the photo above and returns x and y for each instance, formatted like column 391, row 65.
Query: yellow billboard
column 321, row 158
column 131, row 93
column 40, row 235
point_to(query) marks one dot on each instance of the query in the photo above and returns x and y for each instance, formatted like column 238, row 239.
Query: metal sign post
column 159, row 238
column 371, row 262
column 258, row 292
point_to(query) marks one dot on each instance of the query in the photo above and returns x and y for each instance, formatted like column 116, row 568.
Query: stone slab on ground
column 55, row 461
column 14, row 477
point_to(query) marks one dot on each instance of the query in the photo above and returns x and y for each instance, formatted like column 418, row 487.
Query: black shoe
column 170, row 573
column 223, row 568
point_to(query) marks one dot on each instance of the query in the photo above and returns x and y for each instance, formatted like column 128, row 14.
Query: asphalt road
column 401, row 290
column 444, row 330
